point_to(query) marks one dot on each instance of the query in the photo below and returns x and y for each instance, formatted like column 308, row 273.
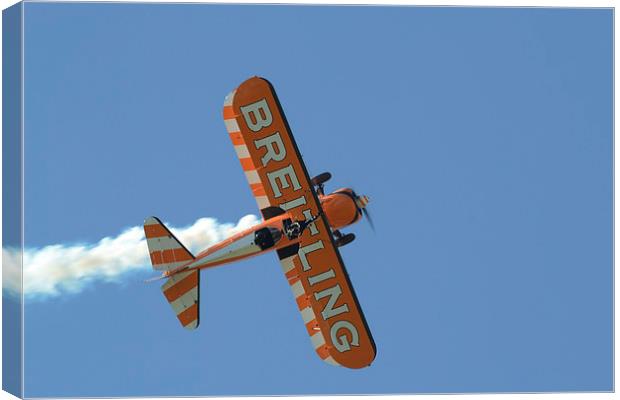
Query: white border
column 475, row 3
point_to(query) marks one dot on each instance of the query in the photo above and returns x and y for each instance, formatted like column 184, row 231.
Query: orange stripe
column 310, row 327
column 258, row 189
column 323, row 351
column 168, row 256
column 156, row 257
column 303, row 301
column 247, row 164
column 236, row 138
column 229, row 112
column 155, row 230
column 292, row 276
column 183, row 286
column 181, row 255
column 188, row 315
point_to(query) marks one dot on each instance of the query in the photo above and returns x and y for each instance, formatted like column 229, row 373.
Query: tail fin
column 165, row 249
column 182, row 290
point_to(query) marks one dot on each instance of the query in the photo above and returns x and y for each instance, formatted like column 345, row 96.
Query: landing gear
column 342, row 240
column 319, row 180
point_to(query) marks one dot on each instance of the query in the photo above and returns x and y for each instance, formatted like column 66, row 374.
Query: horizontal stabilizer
column 182, row 291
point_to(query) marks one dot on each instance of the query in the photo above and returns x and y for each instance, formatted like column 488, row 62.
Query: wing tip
column 228, row 100
column 151, row 220
column 192, row 325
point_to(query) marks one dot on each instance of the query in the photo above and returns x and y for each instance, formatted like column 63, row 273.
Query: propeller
column 367, row 215
column 362, row 202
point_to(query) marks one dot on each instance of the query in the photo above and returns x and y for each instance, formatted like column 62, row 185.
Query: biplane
column 301, row 223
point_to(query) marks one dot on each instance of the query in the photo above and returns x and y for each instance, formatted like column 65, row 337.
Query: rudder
column 165, row 250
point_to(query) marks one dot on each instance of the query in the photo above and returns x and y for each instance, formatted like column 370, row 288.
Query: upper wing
column 278, row 177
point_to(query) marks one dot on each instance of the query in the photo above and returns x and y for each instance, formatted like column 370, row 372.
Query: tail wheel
column 345, row 239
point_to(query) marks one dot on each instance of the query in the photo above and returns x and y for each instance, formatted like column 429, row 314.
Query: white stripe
column 298, row 289
column 307, row 314
column 185, row 301
column 229, row 98
column 242, row 151
column 252, row 175
column 330, row 360
column 150, row 221
column 192, row 325
column 317, row 340
column 174, row 279
column 180, row 276
column 263, row 202
column 287, row 264
column 231, row 125
column 162, row 243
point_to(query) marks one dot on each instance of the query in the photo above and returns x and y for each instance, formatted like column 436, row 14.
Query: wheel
column 321, row 178
column 345, row 239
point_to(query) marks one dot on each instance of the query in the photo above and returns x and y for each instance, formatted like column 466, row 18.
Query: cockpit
column 267, row 237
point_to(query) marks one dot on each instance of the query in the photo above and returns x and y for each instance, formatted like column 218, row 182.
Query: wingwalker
column 300, row 222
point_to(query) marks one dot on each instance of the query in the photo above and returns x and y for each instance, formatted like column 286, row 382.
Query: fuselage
column 339, row 208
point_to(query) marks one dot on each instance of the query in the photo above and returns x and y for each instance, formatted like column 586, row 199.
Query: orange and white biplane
column 300, row 222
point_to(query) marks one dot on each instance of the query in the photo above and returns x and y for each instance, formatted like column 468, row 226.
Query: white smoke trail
column 60, row 269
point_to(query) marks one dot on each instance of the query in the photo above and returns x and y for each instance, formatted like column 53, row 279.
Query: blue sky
column 483, row 137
